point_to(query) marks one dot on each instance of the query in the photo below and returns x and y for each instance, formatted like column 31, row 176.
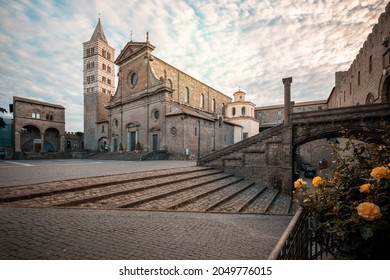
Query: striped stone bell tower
column 99, row 86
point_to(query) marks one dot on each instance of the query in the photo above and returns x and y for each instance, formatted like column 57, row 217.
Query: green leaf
column 366, row 232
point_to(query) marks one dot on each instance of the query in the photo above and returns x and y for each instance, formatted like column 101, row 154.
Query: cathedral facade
column 155, row 106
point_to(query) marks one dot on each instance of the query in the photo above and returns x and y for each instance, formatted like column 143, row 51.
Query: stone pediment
column 133, row 49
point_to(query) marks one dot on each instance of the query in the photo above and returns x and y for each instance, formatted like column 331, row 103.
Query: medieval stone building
column 155, row 107
column 368, row 78
column 38, row 126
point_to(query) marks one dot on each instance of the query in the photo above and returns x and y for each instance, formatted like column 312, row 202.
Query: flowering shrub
column 349, row 209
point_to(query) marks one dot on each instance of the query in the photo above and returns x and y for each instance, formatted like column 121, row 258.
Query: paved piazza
column 93, row 233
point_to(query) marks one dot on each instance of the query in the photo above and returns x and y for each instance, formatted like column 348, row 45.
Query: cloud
column 227, row 44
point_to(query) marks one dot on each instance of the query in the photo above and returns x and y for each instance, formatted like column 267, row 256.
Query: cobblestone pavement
column 57, row 233
column 78, row 218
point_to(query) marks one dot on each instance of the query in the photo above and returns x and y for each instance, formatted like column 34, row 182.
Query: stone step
column 280, row 205
column 176, row 201
column 98, row 191
column 15, row 193
column 208, row 202
column 262, row 202
column 239, row 202
column 172, row 189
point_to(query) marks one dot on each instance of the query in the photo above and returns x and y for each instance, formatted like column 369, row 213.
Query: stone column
column 62, row 143
column 17, row 142
column 42, row 142
column 287, row 100
column 287, row 183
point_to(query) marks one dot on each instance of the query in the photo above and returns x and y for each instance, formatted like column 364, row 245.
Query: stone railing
column 239, row 145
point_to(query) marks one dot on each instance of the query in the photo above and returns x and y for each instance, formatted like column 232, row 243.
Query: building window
column 259, row 114
column 186, row 95
column 298, row 110
column 359, row 78
column 104, row 66
column 109, row 81
column 370, row 64
column 196, row 131
column 233, row 111
column 319, row 107
column 279, row 112
column 201, row 100
column 310, row 109
column 102, row 128
column 156, row 114
column 213, row 105
column 108, row 69
column 370, row 98
column 243, row 111
column 133, row 79
column 36, row 115
column 170, row 83
column 108, row 56
column 245, row 135
column 279, row 121
column 386, row 59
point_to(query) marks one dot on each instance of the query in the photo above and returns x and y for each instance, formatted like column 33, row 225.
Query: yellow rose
column 299, row 183
column 380, row 172
column 365, row 188
column 317, row 181
column 369, row 211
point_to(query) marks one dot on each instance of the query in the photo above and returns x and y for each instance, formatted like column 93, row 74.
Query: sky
column 229, row 45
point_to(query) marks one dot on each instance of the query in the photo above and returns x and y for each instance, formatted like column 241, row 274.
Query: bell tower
column 99, row 86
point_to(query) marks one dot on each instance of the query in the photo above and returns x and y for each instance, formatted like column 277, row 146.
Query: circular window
column 133, row 79
column 156, row 114
column 174, row 131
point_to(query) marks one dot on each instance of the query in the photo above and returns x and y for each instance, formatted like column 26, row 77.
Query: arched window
column 243, row 111
column 370, row 98
column 186, row 95
column 233, row 111
column 201, row 100
column 170, row 83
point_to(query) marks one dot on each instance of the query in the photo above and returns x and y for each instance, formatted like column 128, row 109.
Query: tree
column 2, row 122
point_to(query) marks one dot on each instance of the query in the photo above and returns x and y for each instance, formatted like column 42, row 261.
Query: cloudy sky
column 248, row 44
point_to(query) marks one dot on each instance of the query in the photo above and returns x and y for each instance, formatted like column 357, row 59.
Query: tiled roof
column 23, row 99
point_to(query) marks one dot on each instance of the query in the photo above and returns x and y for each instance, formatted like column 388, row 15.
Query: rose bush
column 349, row 209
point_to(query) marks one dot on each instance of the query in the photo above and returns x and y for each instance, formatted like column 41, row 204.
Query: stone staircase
column 194, row 189
column 265, row 157
column 130, row 156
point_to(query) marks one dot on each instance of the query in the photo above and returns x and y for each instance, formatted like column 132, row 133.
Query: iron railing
column 295, row 242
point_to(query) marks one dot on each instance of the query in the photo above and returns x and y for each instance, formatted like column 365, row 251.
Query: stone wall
column 367, row 80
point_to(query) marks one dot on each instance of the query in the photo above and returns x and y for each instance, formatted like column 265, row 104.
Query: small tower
column 99, row 86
